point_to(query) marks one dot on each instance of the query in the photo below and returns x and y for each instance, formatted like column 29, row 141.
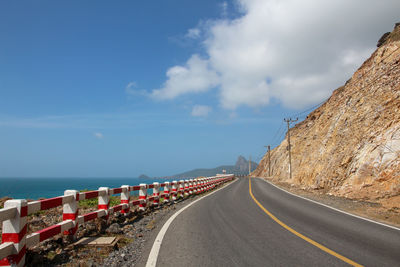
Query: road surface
column 228, row 228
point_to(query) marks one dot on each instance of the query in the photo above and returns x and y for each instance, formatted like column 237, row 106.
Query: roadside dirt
column 380, row 210
column 132, row 231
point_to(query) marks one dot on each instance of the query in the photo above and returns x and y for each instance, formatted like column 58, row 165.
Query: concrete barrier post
column 174, row 190
column 194, row 186
column 104, row 201
column 70, row 212
column 190, row 186
column 14, row 231
column 143, row 196
column 166, row 191
column 156, row 193
column 186, row 188
column 125, row 195
column 182, row 188
column 200, row 186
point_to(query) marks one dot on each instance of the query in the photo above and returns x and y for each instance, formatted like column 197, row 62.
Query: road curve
column 228, row 228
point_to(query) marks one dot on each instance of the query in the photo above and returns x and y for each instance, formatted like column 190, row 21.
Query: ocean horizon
column 47, row 187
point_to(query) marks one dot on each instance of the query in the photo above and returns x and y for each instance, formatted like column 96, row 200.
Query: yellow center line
column 309, row 240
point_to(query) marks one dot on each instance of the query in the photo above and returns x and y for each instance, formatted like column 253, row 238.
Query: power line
column 309, row 109
column 358, row 78
column 279, row 134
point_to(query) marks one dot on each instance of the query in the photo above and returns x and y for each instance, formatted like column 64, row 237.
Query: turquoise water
column 34, row 188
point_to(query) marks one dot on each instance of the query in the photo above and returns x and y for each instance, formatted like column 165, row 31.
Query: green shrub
column 92, row 203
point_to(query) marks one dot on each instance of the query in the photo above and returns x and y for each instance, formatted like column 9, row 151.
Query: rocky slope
column 350, row 146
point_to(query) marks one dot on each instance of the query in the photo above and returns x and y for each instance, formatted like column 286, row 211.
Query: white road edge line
column 316, row 202
column 152, row 259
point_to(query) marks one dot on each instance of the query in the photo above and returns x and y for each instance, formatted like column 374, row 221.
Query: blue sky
column 94, row 88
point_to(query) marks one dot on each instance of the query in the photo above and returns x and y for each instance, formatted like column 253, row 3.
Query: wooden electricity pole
column 249, row 165
column 269, row 160
column 288, row 121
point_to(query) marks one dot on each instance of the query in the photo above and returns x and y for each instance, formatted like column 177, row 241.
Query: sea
column 35, row 188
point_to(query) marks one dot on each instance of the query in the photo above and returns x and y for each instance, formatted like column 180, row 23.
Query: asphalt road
column 229, row 229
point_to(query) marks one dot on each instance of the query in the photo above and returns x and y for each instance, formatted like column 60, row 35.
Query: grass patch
column 123, row 241
column 40, row 212
column 92, row 203
column 51, row 255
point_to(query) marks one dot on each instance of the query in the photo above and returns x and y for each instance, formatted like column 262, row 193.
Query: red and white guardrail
column 15, row 241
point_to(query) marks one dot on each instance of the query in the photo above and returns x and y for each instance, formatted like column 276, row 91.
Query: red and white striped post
column 190, row 186
column 142, row 196
column 156, row 194
column 200, row 186
column 14, row 231
column 104, row 201
column 125, row 195
column 182, row 188
column 186, row 188
column 195, row 186
column 70, row 212
column 166, row 191
column 174, row 190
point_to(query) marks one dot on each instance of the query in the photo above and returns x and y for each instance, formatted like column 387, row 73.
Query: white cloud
column 193, row 33
column 294, row 51
column 98, row 135
column 131, row 89
column 195, row 77
column 224, row 9
column 201, row 111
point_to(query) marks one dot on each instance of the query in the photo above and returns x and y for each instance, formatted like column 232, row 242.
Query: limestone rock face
column 350, row 146
column 242, row 165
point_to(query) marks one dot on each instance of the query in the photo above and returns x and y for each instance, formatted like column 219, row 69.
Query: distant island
column 144, row 176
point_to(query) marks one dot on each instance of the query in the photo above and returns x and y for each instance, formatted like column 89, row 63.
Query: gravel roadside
column 143, row 234
column 367, row 209
column 135, row 234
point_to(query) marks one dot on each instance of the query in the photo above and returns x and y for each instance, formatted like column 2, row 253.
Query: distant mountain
column 241, row 167
column 144, row 176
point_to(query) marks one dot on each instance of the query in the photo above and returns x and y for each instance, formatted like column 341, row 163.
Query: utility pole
column 269, row 160
column 249, row 165
column 288, row 121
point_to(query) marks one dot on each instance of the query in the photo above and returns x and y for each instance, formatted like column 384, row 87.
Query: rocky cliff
column 242, row 165
column 350, row 145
